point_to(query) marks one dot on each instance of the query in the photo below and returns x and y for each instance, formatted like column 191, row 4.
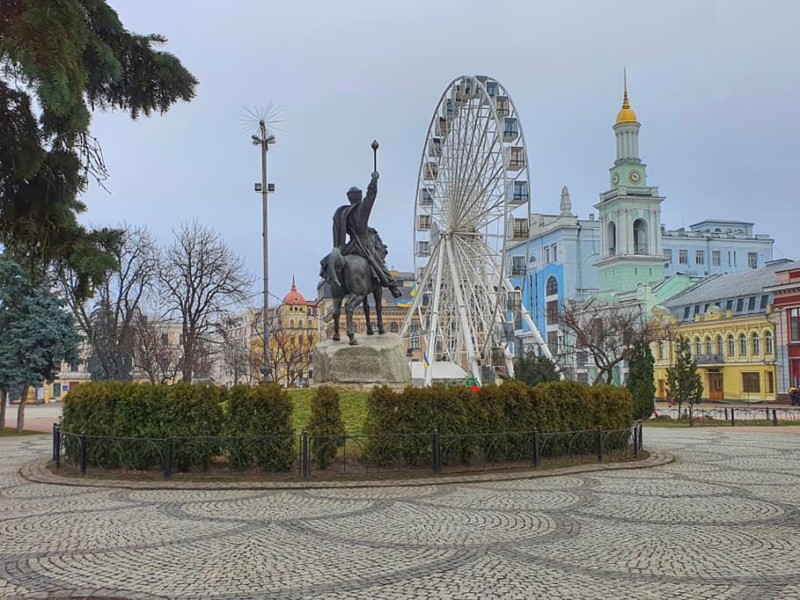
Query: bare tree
column 107, row 320
column 200, row 278
column 156, row 355
column 608, row 331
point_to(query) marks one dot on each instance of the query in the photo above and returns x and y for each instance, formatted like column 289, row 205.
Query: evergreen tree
column 533, row 369
column 60, row 60
column 684, row 383
column 36, row 335
column 641, row 379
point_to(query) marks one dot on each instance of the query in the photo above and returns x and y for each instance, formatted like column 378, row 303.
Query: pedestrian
column 794, row 394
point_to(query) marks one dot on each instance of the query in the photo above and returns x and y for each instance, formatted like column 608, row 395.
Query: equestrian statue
column 356, row 266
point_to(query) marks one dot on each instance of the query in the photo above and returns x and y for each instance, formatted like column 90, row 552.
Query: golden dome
column 626, row 114
column 294, row 298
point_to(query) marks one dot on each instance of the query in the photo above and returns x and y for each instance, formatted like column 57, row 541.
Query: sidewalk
column 38, row 417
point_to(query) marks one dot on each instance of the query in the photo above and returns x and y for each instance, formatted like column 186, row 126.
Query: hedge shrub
column 507, row 411
column 264, row 415
column 325, row 426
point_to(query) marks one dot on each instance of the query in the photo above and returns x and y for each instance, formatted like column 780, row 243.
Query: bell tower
column 630, row 214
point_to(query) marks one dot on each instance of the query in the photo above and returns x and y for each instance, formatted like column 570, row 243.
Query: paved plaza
column 722, row 521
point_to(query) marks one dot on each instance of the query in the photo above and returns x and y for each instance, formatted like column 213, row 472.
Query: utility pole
column 263, row 140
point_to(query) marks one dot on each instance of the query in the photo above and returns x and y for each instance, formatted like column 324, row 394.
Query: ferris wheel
column 472, row 203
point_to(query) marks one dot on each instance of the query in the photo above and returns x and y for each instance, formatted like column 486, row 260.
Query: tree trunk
column 3, row 399
column 21, row 410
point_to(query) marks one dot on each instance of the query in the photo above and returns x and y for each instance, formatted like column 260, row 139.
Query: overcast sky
column 716, row 86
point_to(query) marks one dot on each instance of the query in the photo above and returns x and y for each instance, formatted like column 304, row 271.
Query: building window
column 393, row 327
column 640, row 236
column 552, row 341
column 555, row 252
column 56, row 390
column 751, row 383
column 552, row 312
column 686, row 312
column 715, row 258
column 699, row 257
column 756, row 344
column 729, row 305
column 683, row 257
column 547, row 255
column 698, row 346
column 768, row 345
column 731, row 346
column 581, row 358
column 517, row 265
column 668, row 255
column 611, row 231
column 740, row 305
column 752, row 260
column 770, row 377
column 743, row 345
column 719, row 345
column 764, row 302
column 794, row 324
column 751, row 303
column 708, row 346
column 551, row 287
column 662, row 350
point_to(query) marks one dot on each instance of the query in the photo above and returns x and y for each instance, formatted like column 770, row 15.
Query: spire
column 626, row 114
column 294, row 286
column 566, row 203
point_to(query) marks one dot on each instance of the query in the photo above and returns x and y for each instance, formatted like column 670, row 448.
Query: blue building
column 625, row 247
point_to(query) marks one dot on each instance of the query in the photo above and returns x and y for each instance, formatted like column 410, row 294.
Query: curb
column 37, row 472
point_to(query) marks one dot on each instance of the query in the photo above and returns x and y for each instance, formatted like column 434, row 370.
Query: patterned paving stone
column 722, row 521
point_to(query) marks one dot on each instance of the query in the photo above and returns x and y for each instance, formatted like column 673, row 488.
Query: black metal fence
column 306, row 456
column 733, row 415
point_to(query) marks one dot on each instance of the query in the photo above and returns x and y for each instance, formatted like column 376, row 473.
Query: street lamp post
column 263, row 140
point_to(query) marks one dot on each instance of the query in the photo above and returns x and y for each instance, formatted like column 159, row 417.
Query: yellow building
column 728, row 320
column 293, row 333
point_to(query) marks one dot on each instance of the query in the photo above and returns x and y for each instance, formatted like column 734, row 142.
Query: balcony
column 710, row 359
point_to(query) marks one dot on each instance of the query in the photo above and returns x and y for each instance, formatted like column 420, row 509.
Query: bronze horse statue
column 352, row 280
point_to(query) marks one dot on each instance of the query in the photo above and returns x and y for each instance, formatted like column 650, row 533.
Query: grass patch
column 352, row 403
column 12, row 432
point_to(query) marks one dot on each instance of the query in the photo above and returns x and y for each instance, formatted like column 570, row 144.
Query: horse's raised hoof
column 336, row 338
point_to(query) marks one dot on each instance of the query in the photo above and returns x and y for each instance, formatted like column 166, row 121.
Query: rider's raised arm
column 369, row 200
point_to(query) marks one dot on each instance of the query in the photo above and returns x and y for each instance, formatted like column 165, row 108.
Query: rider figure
column 353, row 220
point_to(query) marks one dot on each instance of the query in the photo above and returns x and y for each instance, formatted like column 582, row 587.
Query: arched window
column 742, row 345
column 719, row 345
column 731, row 345
column 551, row 287
column 661, row 350
column 709, row 349
column 640, row 236
column 768, row 347
column 698, row 346
column 756, row 344
column 291, row 323
column 611, row 231
column 393, row 327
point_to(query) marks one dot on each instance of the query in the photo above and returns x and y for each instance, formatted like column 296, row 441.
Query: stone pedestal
column 377, row 359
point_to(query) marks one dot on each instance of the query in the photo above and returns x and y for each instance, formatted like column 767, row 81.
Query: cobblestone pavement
column 720, row 522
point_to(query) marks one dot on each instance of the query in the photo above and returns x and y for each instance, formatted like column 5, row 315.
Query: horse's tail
column 335, row 260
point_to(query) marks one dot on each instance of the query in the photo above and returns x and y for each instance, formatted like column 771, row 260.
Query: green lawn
column 12, row 432
column 353, row 404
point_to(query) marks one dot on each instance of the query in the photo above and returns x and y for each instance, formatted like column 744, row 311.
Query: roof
column 730, row 285
column 294, row 298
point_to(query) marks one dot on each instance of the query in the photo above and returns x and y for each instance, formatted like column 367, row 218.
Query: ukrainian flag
column 425, row 360
column 408, row 303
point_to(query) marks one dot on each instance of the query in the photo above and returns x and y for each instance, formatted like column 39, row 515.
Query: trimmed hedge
column 325, row 426
column 263, row 413
column 190, row 416
column 510, row 408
